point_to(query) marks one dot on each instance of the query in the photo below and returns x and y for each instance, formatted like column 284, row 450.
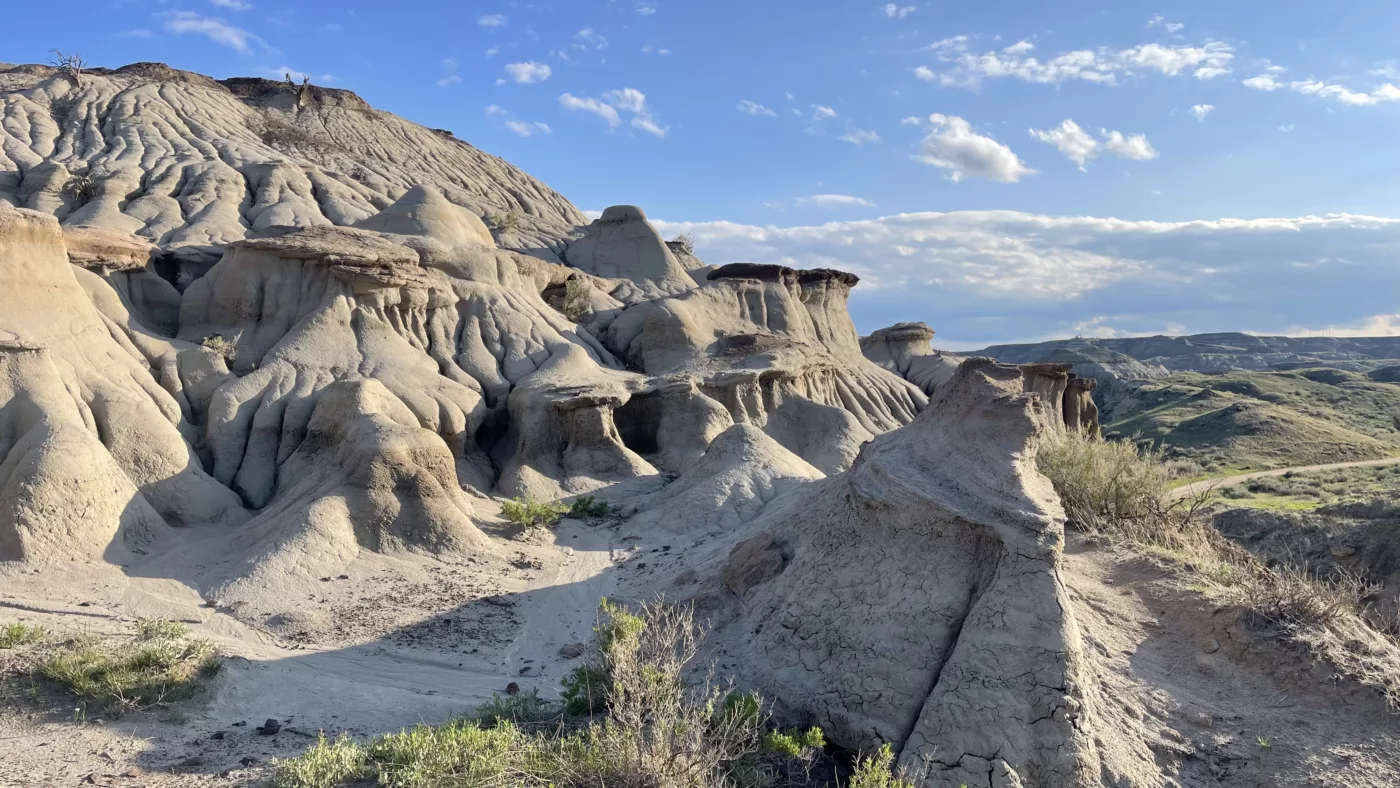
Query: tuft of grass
column 16, row 634
column 149, row 629
column 523, row 709
column 160, row 665
column 529, row 513
column 219, row 344
column 794, row 743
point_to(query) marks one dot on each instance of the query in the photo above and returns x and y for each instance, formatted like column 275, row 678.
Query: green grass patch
column 16, row 634
column 1242, row 421
column 158, row 666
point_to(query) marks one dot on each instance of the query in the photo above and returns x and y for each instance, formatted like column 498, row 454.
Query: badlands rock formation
column 259, row 331
column 915, row 598
column 906, row 349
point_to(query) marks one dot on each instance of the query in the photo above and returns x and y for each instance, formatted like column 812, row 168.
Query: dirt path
column 1195, row 488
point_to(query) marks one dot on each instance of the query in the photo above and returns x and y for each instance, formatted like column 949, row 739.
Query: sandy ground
column 1218, row 701
column 1196, row 488
column 404, row 640
column 396, row 641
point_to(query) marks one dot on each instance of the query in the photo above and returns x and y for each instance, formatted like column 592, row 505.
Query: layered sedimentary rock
column 915, row 600
column 776, row 347
column 1081, row 414
column 906, row 349
column 141, row 423
column 191, row 164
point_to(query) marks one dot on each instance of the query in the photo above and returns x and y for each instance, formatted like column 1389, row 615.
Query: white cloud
column 649, row 49
column 754, row 108
column 494, row 110
column 217, row 30
column 528, row 129
column 1373, row 326
column 1105, row 66
column 492, row 52
column 1075, row 143
column 1268, row 82
column 646, row 10
column 911, row 121
column 492, row 20
column 1161, row 21
column 449, row 80
column 1128, row 146
column 1202, row 110
column 588, row 37
column 982, row 277
column 1079, row 146
column 602, row 110
column 898, row 11
column 857, row 136
column 848, row 131
column 951, row 144
column 1287, row 127
column 232, row 5
column 528, row 73
column 611, row 106
column 925, row 73
column 830, row 200
column 137, row 33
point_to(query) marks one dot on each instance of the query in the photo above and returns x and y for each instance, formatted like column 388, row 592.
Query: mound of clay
column 423, row 211
column 906, row 349
column 741, row 472
column 918, row 601
column 365, row 476
column 622, row 244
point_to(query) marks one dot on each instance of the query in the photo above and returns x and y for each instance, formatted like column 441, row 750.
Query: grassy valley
column 1243, row 421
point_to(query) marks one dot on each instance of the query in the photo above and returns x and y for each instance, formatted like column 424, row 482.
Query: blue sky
column 1002, row 171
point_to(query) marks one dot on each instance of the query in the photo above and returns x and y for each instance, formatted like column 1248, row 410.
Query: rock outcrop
column 906, row 349
column 621, row 244
column 917, row 600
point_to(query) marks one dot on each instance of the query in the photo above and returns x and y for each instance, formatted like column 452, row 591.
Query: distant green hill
column 1259, row 420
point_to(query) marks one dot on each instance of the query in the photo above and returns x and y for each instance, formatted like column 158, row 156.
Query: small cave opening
column 638, row 421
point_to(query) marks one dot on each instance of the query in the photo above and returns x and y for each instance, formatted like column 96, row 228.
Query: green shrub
column 877, row 771
column 575, row 297
column 1103, row 483
column 219, row 344
column 522, row 708
column 504, row 223
column 17, row 634
column 659, row 731
column 794, row 743
column 587, row 506
column 529, row 513
column 585, row 690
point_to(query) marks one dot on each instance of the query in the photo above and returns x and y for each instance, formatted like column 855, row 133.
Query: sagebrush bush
column 658, row 730
column 588, row 506
column 529, row 513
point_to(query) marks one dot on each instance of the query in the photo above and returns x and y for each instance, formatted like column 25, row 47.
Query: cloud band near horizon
column 988, row 277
